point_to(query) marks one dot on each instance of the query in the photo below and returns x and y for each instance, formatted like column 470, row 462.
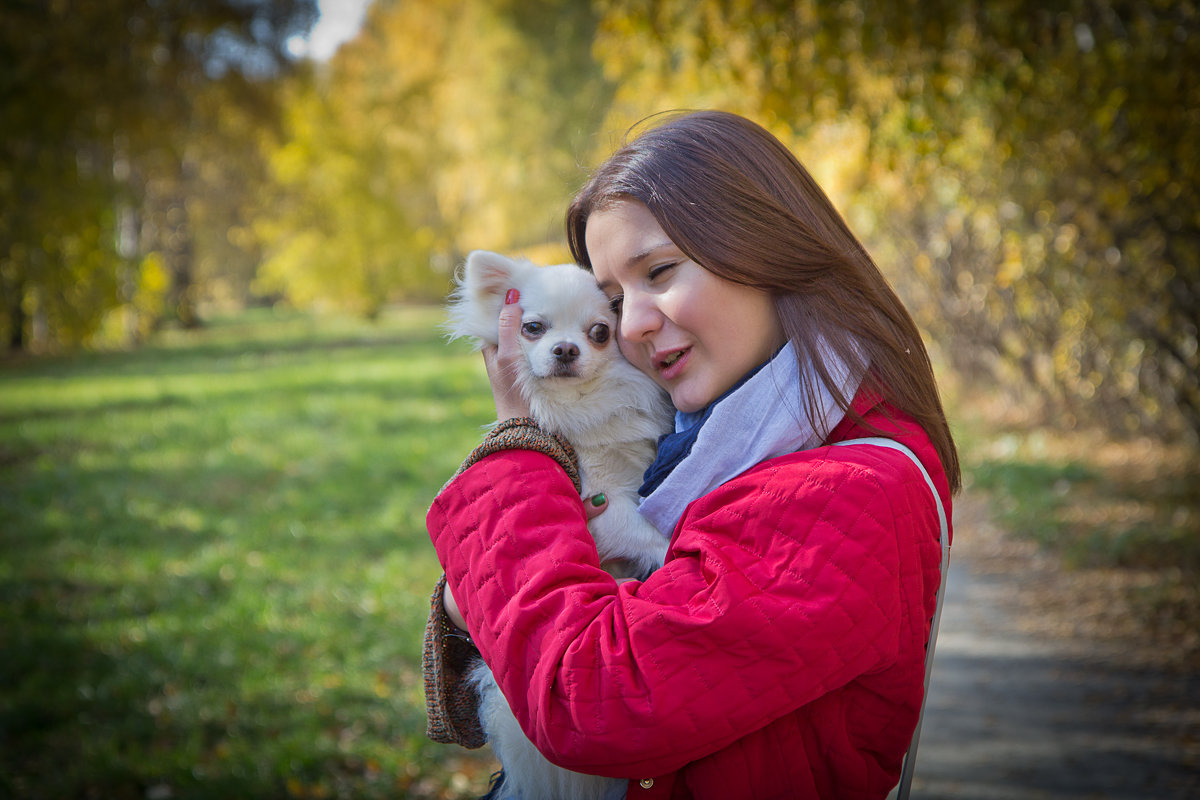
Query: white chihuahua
column 577, row 385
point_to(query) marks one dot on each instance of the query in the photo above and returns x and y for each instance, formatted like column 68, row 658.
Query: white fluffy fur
column 610, row 412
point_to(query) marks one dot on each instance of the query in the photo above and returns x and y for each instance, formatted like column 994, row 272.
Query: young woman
column 780, row 651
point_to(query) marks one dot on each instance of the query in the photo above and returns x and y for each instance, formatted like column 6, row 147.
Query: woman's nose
column 640, row 317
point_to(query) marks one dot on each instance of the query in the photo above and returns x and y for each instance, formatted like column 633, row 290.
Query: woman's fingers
column 594, row 506
column 503, row 362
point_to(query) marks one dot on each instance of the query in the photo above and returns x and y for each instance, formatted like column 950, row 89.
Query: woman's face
column 694, row 333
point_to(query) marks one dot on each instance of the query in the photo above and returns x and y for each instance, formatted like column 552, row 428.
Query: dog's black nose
column 565, row 352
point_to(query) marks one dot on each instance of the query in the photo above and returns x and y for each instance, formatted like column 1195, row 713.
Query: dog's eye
column 599, row 333
column 533, row 329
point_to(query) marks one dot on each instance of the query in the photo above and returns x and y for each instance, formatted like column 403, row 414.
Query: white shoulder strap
column 910, row 758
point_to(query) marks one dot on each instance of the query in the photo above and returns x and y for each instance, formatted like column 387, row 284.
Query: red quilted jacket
column 779, row 653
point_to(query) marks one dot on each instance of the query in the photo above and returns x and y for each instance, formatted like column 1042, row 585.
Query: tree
column 413, row 148
column 97, row 149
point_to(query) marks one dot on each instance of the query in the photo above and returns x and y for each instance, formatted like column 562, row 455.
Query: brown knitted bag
column 451, row 704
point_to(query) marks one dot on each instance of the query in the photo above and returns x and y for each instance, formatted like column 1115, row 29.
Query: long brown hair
column 735, row 200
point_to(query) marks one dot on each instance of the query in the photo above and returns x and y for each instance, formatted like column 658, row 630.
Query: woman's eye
column 659, row 270
column 533, row 329
column 614, row 304
column 599, row 333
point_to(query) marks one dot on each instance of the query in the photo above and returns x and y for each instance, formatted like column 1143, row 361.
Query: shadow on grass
column 263, row 379
column 156, row 717
column 265, row 337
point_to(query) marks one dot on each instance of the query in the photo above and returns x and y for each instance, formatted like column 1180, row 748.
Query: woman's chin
column 686, row 402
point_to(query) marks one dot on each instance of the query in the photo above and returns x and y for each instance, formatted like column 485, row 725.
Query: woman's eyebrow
column 638, row 258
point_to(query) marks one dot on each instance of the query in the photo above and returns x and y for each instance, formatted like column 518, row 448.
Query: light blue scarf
column 763, row 418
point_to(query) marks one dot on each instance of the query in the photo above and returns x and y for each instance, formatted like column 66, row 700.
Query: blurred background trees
column 124, row 123
column 1026, row 175
column 442, row 128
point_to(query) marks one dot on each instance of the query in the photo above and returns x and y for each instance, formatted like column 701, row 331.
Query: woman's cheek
column 636, row 355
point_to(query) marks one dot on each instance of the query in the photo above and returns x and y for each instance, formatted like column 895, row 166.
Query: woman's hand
column 452, row 611
column 593, row 507
column 502, row 362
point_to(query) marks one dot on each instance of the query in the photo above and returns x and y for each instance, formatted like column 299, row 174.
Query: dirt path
column 1022, row 705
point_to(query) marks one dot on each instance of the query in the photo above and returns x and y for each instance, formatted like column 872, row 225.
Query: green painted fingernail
column 599, row 500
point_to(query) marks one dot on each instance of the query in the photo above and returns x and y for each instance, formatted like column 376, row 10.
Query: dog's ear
column 488, row 273
column 474, row 307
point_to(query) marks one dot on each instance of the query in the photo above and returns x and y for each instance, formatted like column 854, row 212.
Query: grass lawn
column 214, row 571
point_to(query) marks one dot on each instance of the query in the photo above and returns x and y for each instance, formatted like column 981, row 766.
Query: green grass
column 214, row 569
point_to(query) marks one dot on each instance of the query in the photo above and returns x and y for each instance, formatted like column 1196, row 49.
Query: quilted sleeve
column 780, row 586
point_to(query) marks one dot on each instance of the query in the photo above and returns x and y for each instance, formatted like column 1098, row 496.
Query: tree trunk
column 16, row 319
column 178, row 255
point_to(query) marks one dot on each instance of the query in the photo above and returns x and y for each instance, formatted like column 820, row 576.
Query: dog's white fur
column 609, row 411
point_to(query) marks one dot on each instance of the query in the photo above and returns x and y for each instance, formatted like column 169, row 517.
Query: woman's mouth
column 672, row 364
